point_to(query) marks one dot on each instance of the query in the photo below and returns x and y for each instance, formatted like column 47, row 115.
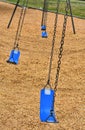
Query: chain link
column 61, row 45
column 20, row 23
column 53, row 43
column 44, row 13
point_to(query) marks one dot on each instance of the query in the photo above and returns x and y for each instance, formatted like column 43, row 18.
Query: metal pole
column 72, row 17
column 13, row 13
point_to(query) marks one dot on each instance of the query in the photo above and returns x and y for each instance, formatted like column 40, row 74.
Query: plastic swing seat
column 44, row 34
column 14, row 56
column 47, row 113
column 43, row 27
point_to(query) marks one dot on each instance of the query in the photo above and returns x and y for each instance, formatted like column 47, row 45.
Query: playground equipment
column 15, row 53
column 44, row 19
column 17, row 4
column 47, row 94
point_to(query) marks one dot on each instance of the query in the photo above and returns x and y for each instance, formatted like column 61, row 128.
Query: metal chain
column 20, row 23
column 23, row 17
column 53, row 43
column 15, row 42
column 44, row 13
column 61, row 45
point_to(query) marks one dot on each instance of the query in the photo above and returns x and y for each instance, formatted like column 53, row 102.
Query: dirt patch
column 20, row 84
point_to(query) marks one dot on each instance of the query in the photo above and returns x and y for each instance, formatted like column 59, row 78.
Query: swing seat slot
column 43, row 27
column 14, row 57
column 44, row 34
column 47, row 106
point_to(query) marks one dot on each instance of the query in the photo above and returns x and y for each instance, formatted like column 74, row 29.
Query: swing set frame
column 44, row 14
column 47, row 96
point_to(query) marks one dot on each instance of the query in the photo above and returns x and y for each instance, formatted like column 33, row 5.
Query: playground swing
column 47, row 94
column 15, row 53
column 44, row 19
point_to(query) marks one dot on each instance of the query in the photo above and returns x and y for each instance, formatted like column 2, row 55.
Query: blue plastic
column 44, row 34
column 14, row 57
column 43, row 27
column 47, row 106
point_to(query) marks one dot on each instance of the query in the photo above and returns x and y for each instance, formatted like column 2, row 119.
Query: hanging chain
column 53, row 43
column 44, row 14
column 61, row 45
column 20, row 23
column 16, row 37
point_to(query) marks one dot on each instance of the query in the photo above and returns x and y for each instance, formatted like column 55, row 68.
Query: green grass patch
column 78, row 6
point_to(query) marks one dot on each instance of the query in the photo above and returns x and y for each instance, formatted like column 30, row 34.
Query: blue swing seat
column 44, row 34
column 14, row 56
column 43, row 27
column 47, row 106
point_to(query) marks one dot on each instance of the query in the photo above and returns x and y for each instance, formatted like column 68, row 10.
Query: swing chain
column 44, row 14
column 16, row 45
column 53, row 43
column 61, row 45
column 20, row 24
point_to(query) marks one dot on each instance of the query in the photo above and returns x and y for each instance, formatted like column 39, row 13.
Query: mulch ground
column 20, row 84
